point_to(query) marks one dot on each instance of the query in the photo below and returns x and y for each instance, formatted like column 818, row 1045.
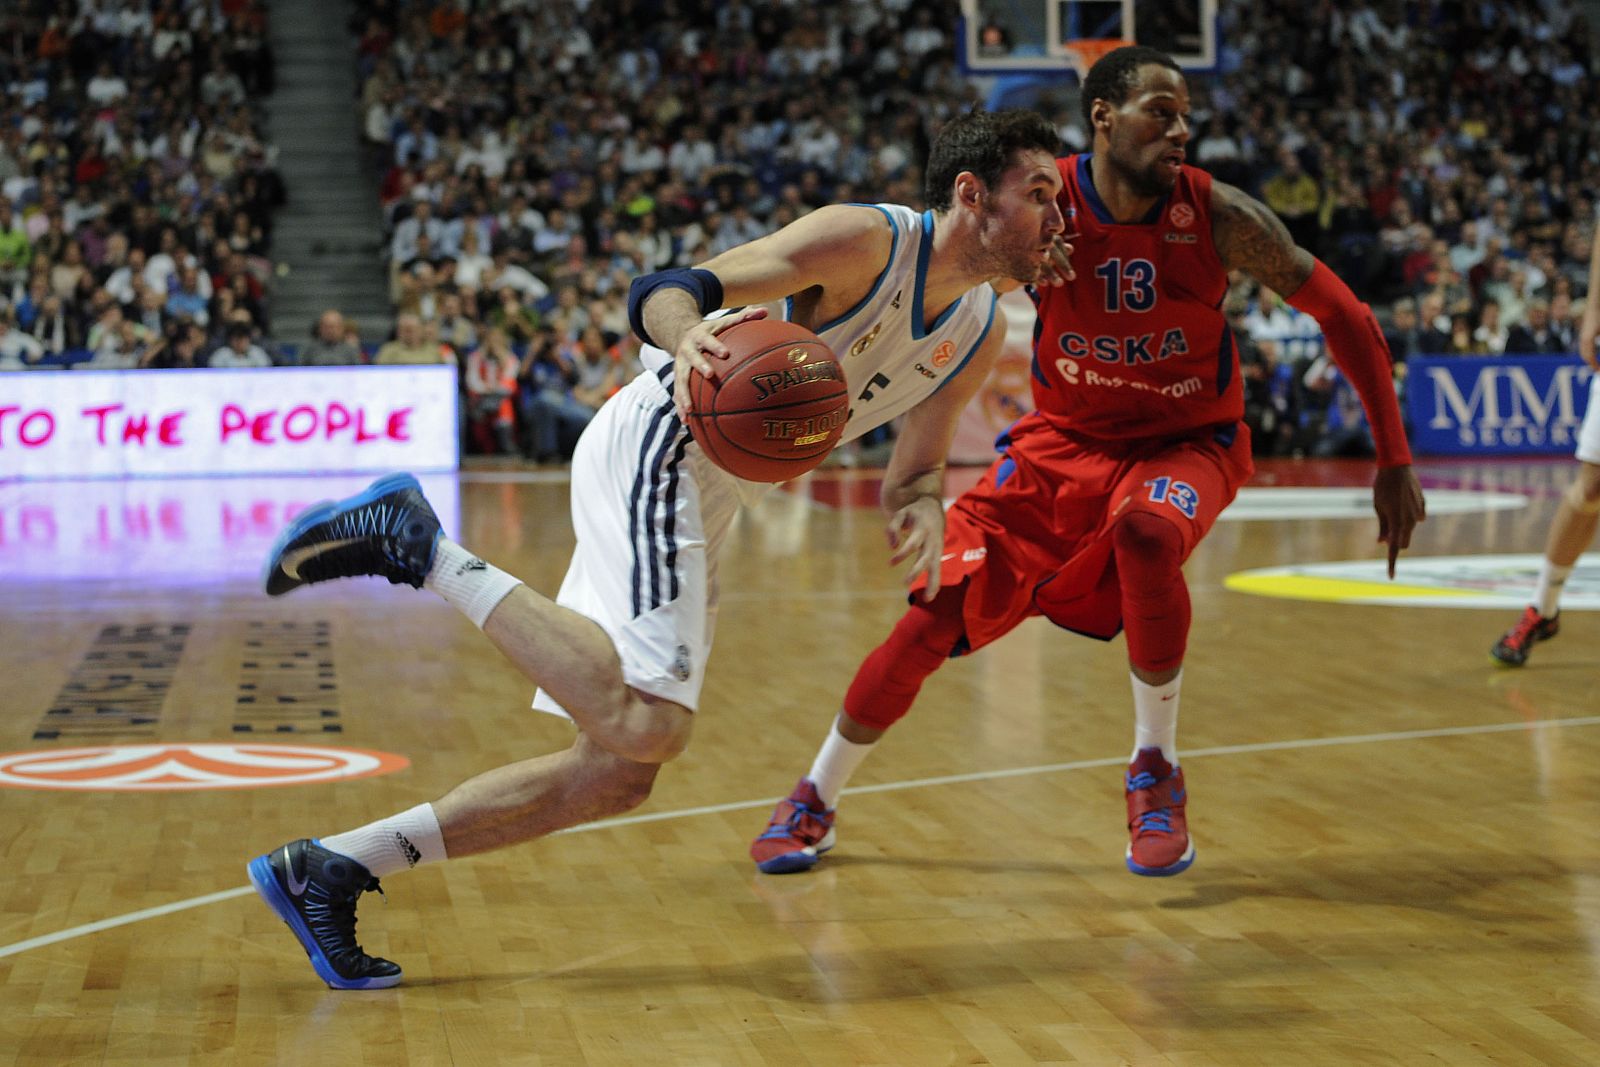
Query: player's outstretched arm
column 840, row 248
column 1249, row 237
column 913, row 485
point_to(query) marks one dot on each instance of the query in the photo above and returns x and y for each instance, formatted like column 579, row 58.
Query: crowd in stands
column 1452, row 183
column 534, row 158
column 136, row 189
column 536, row 155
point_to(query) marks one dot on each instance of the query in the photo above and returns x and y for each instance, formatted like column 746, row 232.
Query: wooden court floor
column 1398, row 854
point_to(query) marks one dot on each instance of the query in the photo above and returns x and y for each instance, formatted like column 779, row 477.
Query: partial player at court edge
column 1578, row 515
column 1135, row 446
column 901, row 297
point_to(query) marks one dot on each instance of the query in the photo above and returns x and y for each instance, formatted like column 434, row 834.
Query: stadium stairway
column 327, row 239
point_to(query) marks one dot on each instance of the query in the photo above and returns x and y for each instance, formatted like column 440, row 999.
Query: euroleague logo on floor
column 1501, row 582
column 178, row 767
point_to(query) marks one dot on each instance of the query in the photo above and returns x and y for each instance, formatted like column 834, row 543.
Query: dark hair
column 1113, row 76
column 984, row 143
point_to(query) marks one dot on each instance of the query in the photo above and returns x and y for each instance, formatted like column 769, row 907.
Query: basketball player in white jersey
column 901, row 297
column 1578, row 517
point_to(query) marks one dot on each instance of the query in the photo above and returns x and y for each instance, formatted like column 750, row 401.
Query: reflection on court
column 1395, row 839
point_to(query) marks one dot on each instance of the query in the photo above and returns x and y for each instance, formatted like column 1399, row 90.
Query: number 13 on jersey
column 1130, row 284
column 1180, row 495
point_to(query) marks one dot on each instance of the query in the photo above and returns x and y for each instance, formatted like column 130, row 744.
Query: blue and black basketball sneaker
column 314, row 892
column 388, row 530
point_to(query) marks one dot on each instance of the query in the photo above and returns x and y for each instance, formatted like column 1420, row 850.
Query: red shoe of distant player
column 1159, row 842
column 801, row 830
column 1512, row 649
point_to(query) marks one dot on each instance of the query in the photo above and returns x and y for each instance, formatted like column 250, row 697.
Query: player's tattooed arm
column 1249, row 237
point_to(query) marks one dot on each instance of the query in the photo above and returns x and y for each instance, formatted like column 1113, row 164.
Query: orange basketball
column 778, row 406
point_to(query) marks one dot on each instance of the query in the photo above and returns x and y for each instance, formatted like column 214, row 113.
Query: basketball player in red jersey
column 1137, row 444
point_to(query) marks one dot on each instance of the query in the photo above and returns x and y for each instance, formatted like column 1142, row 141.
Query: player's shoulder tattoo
column 1249, row 237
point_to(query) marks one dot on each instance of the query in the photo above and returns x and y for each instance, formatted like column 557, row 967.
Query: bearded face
column 1019, row 217
column 1148, row 132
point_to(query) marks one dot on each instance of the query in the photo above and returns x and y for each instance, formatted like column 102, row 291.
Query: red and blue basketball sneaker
column 801, row 830
column 1159, row 842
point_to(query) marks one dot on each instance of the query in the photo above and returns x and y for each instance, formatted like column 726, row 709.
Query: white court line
column 887, row 787
column 123, row 920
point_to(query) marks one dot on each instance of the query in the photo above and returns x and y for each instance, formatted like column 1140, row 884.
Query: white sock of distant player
column 1155, row 717
column 1547, row 594
column 836, row 761
column 393, row 844
column 474, row 587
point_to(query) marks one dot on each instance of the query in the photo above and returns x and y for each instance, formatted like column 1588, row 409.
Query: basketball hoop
column 1084, row 52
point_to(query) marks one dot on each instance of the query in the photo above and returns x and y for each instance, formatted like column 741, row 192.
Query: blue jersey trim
column 894, row 231
column 1038, row 373
column 1038, row 332
column 1004, row 470
column 923, row 251
column 987, row 326
column 1225, row 360
column 1098, row 206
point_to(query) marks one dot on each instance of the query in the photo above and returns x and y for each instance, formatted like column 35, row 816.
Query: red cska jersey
column 1136, row 345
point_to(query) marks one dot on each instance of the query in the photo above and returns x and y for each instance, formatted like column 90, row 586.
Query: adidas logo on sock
column 473, row 564
column 413, row 857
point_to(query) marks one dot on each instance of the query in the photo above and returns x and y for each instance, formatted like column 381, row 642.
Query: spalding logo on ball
column 778, row 406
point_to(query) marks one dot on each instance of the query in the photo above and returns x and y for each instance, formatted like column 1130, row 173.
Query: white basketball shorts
column 650, row 513
column 1589, row 431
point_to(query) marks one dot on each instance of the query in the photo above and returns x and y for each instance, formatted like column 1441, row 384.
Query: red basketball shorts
column 1033, row 537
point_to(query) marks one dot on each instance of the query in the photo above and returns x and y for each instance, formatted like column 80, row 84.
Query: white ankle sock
column 393, row 844
column 836, row 761
column 473, row 587
column 1155, row 717
column 1547, row 595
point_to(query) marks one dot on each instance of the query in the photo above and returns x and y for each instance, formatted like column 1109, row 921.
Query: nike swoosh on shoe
column 297, row 886
column 290, row 561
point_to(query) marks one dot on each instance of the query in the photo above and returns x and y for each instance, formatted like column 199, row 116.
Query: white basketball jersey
column 651, row 512
column 892, row 359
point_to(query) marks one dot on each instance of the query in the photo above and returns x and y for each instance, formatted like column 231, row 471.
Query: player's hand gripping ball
column 778, row 405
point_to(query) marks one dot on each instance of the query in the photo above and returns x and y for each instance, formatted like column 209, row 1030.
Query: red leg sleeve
column 888, row 680
column 1155, row 598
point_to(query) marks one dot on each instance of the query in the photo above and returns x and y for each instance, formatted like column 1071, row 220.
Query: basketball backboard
column 1052, row 36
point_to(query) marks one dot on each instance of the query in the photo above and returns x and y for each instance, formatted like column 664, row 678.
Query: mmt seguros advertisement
column 1496, row 405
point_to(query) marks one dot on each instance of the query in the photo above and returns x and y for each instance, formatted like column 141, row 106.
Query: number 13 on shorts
column 1180, row 495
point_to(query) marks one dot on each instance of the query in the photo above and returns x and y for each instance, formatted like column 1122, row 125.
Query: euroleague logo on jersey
column 1181, row 216
column 159, row 767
